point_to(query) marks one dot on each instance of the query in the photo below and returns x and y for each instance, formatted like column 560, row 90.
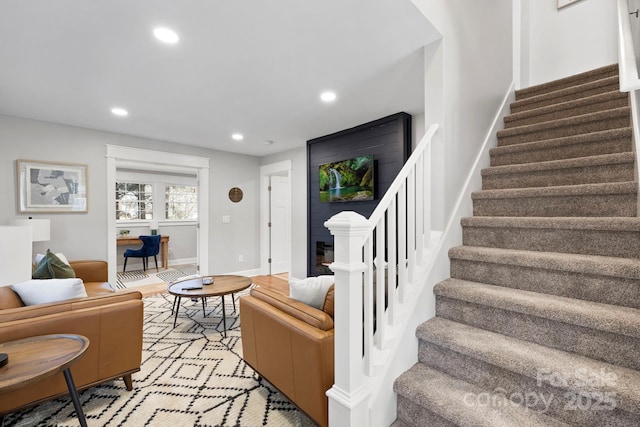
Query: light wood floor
column 278, row 283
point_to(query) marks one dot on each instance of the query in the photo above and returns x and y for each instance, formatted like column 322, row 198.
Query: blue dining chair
column 150, row 247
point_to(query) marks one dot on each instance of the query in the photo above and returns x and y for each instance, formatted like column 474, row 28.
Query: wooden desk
column 35, row 358
column 164, row 246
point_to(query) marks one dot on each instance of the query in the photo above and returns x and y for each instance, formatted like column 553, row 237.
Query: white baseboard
column 248, row 273
column 182, row 261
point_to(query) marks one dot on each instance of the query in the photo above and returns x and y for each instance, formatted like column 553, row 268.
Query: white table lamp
column 15, row 259
column 41, row 228
column 15, row 254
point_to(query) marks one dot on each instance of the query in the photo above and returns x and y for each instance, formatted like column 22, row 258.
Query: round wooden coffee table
column 194, row 288
column 32, row 359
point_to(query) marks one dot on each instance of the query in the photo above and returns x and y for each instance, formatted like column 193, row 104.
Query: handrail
column 375, row 267
column 402, row 175
column 629, row 78
column 627, row 64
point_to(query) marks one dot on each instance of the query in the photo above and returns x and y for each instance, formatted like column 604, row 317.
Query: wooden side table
column 32, row 359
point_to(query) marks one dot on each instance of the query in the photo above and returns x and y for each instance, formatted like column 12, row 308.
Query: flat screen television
column 350, row 180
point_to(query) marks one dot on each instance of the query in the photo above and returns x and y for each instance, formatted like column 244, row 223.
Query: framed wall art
column 51, row 187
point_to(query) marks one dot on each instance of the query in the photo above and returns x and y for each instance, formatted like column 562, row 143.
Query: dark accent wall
column 387, row 139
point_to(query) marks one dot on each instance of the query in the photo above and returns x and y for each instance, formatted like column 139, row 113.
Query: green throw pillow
column 52, row 267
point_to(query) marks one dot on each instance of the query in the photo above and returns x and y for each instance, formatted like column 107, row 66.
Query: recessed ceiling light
column 119, row 112
column 237, row 136
column 166, row 35
column 328, row 96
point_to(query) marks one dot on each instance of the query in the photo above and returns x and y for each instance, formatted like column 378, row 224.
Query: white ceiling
column 254, row 67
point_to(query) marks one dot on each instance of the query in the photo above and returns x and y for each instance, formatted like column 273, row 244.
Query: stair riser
column 621, row 172
column 526, row 105
column 624, row 244
column 591, row 76
column 564, row 131
column 537, row 395
column 623, row 205
column 415, row 415
column 581, row 340
column 553, row 282
column 569, row 112
column 569, row 151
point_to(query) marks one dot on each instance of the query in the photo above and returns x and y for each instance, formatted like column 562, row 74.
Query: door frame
column 279, row 168
column 159, row 161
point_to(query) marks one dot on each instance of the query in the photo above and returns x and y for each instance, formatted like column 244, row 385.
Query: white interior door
column 280, row 230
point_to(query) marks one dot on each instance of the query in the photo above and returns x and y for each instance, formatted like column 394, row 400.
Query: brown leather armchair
column 111, row 320
column 290, row 344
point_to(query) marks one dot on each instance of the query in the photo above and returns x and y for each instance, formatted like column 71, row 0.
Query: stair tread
column 593, row 315
column 561, row 106
column 574, row 263
column 556, row 142
column 575, row 223
column 563, row 190
column 568, row 121
column 445, row 396
column 579, row 162
column 564, row 91
column 570, row 80
column 527, row 358
column 563, row 140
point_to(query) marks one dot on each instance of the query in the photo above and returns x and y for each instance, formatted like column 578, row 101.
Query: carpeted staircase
column 539, row 324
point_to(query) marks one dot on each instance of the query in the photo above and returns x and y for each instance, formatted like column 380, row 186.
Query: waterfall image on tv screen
column 347, row 180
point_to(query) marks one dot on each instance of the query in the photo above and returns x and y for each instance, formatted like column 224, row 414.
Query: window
column 181, row 202
column 134, row 201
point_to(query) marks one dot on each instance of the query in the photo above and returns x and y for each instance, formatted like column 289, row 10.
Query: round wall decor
column 235, row 194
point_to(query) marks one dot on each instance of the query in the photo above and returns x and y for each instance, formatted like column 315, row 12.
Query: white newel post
column 348, row 397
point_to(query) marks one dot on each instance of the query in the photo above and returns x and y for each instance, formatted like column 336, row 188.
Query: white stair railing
column 375, row 264
column 628, row 59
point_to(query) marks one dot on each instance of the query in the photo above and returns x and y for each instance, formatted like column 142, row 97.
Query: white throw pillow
column 35, row 291
column 311, row 290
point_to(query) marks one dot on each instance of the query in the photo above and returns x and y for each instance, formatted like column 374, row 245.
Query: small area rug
column 135, row 278
column 190, row 376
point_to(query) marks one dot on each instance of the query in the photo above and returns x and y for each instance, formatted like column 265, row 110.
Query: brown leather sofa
column 111, row 320
column 290, row 344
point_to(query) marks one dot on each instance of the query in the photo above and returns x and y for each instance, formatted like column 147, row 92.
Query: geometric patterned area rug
column 190, row 376
column 172, row 275
column 130, row 276
column 135, row 278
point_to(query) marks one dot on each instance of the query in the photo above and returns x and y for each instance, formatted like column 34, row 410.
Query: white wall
column 418, row 129
column 576, row 38
column 468, row 74
column 84, row 235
